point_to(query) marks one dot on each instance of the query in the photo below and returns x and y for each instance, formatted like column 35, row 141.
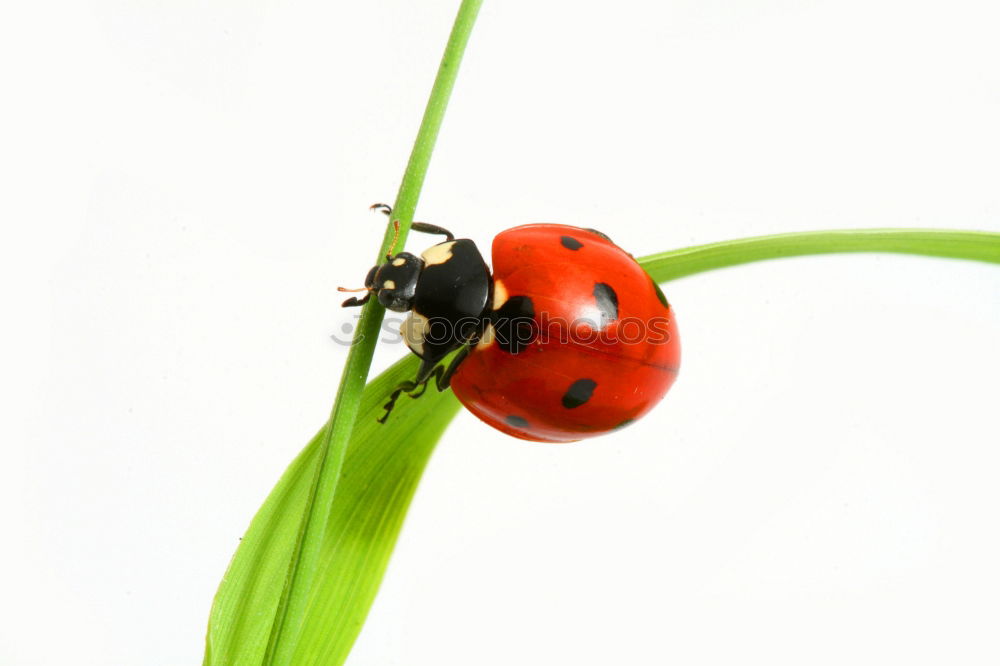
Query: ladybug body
column 602, row 348
column 569, row 338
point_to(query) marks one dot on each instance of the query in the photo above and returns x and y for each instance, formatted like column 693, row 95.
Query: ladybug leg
column 421, row 387
column 439, row 373
column 442, row 375
column 423, row 227
column 426, row 228
column 423, row 374
column 355, row 302
column 443, row 380
column 403, row 387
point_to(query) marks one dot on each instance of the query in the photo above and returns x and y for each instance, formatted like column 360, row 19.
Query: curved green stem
column 306, row 555
column 976, row 245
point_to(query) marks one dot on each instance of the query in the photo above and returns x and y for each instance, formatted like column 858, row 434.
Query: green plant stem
column 416, row 168
column 305, row 558
column 976, row 245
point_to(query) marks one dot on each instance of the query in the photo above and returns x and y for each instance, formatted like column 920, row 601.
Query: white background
column 185, row 184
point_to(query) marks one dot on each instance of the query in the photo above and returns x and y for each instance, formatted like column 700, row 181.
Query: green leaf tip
column 379, row 476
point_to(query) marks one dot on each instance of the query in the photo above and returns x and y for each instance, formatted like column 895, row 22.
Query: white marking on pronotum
column 389, row 284
column 413, row 330
column 488, row 337
column 499, row 294
column 437, row 254
column 398, row 261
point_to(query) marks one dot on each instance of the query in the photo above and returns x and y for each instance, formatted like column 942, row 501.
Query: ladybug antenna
column 382, row 208
column 359, row 289
column 395, row 237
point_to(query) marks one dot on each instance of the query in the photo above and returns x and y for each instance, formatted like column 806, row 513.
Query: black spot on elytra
column 578, row 393
column 514, row 324
column 624, row 424
column 570, row 243
column 607, row 302
column 659, row 293
column 517, row 421
column 599, row 233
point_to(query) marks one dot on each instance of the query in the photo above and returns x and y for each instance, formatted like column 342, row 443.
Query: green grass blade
column 416, row 168
column 379, row 475
column 243, row 610
column 291, row 611
column 287, row 615
column 976, row 245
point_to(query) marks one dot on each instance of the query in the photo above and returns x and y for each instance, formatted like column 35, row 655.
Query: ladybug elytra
column 568, row 338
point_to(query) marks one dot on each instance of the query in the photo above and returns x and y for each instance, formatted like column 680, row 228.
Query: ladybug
column 568, row 338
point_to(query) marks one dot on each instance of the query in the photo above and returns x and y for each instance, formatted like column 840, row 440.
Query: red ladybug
column 568, row 338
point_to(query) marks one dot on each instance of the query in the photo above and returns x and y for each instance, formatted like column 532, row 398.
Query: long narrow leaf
column 305, row 559
column 380, row 473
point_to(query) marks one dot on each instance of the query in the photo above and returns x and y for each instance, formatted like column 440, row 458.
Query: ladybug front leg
column 355, row 302
column 423, row 227
column 427, row 228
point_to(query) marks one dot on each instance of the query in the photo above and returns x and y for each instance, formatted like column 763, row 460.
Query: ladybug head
column 395, row 282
